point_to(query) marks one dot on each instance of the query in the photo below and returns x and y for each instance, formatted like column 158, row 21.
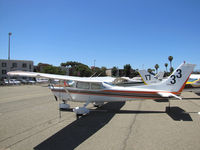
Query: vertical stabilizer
column 147, row 77
column 160, row 75
column 177, row 80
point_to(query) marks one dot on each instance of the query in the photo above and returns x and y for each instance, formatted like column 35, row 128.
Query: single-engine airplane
column 94, row 90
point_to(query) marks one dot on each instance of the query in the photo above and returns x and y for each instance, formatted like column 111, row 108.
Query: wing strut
column 70, row 97
column 59, row 101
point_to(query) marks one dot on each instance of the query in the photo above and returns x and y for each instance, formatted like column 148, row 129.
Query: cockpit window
column 70, row 83
column 83, row 85
column 96, row 86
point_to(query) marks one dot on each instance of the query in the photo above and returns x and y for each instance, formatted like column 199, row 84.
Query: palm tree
column 114, row 71
column 149, row 70
column 166, row 65
column 156, row 67
column 171, row 69
column 127, row 70
column 170, row 58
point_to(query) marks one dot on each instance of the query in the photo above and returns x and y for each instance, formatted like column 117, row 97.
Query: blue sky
column 112, row 32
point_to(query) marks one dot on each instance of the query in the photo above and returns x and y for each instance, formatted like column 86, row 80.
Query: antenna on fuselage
column 99, row 74
column 93, row 75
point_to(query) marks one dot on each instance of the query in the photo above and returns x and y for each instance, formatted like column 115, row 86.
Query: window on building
column 3, row 78
column 29, row 66
column 24, row 65
column 3, row 64
column 14, row 65
column 4, row 71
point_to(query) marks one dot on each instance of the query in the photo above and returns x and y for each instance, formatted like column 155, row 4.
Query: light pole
column 9, row 34
column 117, row 72
column 94, row 63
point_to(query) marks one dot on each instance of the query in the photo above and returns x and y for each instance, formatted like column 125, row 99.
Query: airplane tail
column 160, row 75
column 177, row 80
column 147, row 78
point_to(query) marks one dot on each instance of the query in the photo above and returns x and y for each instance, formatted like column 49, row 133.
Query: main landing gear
column 168, row 108
column 64, row 105
column 98, row 104
column 80, row 111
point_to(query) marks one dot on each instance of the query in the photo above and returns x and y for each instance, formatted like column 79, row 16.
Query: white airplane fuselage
column 113, row 94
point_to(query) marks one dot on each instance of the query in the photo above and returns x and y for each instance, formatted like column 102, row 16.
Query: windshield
column 109, row 83
column 71, row 83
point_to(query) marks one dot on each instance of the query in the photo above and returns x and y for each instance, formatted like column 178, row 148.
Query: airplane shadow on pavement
column 178, row 114
column 80, row 130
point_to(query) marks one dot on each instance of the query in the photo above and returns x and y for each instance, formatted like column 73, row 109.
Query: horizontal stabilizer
column 169, row 95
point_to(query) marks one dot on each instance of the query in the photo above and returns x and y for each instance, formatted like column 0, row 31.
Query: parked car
column 2, row 83
column 14, row 81
column 23, row 81
column 11, row 82
column 31, row 81
column 41, row 80
column 6, row 82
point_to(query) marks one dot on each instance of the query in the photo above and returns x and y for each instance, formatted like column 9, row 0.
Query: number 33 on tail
column 173, row 77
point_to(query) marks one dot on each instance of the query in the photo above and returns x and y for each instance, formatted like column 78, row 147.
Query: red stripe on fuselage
column 109, row 95
column 114, row 95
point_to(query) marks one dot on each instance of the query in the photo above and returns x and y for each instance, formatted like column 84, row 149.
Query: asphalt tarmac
column 29, row 119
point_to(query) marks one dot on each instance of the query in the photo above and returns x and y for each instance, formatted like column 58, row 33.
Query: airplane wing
column 168, row 95
column 52, row 76
column 195, row 76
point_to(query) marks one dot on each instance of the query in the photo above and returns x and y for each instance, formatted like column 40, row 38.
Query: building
column 12, row 65
column 109, row 72
column 40, row 67
column 120, row 72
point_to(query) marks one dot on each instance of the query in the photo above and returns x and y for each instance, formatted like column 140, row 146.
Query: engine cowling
column 81, row 110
